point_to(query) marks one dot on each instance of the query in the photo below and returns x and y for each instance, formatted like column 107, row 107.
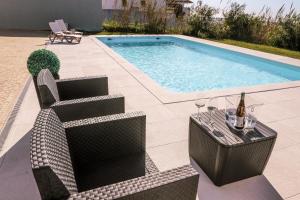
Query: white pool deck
column 167, row 125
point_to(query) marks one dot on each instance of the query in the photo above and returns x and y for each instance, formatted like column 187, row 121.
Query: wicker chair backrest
column 50, row 157
column 48, row 88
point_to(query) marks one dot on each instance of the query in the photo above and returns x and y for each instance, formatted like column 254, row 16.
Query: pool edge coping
column 166, row 96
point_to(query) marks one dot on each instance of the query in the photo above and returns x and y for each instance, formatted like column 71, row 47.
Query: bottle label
column 239, row 122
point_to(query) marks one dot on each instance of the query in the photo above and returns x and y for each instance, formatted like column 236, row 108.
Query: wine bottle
column 240, row 113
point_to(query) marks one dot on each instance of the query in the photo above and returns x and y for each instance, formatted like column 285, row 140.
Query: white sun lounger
column 57, row 33
column 64, row 28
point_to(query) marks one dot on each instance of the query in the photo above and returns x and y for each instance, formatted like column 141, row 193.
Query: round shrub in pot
column 42, row 59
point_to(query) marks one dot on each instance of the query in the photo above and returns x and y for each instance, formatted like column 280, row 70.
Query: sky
column 255, row 5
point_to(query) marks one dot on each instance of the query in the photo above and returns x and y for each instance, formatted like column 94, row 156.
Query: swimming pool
column 186, row 66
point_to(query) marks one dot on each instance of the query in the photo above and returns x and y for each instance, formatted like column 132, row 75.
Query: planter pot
column 34, row 78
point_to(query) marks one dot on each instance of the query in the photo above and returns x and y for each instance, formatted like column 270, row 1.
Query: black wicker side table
column 227, row 156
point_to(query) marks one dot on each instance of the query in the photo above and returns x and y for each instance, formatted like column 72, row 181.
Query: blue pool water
column 186, row 66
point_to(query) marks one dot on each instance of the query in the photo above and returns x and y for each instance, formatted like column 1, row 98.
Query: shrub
column 277, row 37
column 43, row 59
column 218, row 30
column 155, row 18
column 281, row 31
column 201, row 20
column 111, row 26
column 286, row 31
column 180, row 27
column 238, row 22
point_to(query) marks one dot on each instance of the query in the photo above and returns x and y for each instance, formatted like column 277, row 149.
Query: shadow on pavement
column 16, row 177
column 255, row 188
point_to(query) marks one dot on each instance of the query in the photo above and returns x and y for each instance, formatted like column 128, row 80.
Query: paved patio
column 14, row 51
column 167, row 131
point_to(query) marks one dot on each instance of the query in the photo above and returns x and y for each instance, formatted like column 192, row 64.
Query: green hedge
column 115, row 26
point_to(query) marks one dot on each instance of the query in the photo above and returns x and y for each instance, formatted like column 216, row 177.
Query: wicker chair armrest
column 106, row 137
column 175, row 184
column 75, row 88
column 77, row 109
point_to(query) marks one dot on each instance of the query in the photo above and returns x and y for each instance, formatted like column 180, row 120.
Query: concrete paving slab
column 292, row 123
column 283, row 170
column 183, row 109
column 142, row 100
column 154, row 113
column 130, row 90
column 170, row 156
column 286, row 136
column 277, row 96
column 273, row 112
column 166, row 132
column 296, row 197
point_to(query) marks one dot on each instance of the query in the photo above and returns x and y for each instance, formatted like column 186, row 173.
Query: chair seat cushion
column 100, row 173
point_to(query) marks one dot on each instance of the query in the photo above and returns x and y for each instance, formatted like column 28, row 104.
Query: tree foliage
column 283, row 30
column 201, row 20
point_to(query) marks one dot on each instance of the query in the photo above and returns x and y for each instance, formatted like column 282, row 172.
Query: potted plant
column 42, row 59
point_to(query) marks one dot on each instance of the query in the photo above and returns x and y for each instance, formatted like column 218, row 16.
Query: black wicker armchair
column 78, row 98
column 102, row 158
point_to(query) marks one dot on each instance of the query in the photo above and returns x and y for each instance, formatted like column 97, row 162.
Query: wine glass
column 250, row 115
column 200, row 104
column 230, row 109
column 212, row 107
